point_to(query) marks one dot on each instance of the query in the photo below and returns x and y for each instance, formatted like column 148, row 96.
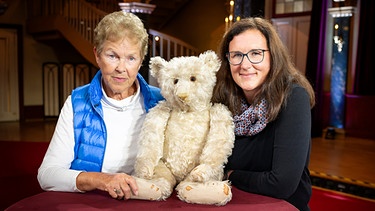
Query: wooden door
column 9, row 95
column 294, row 32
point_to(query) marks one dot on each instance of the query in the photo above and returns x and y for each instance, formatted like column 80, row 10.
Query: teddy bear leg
column 160, row 187
column 212, row 192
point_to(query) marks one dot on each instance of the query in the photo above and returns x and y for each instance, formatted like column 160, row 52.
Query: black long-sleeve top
column 275, row 161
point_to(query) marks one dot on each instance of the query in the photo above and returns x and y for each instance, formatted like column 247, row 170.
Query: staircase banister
column 94, row 9
column 83, row 16
column 173, row 39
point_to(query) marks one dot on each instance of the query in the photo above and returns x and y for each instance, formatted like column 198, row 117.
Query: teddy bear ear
column 211, row 59
column 156, row 64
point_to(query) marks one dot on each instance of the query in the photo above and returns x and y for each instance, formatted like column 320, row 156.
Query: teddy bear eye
column 175, row 81
column 193, row 78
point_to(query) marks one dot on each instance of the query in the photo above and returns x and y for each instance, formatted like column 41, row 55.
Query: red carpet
column 323, row 200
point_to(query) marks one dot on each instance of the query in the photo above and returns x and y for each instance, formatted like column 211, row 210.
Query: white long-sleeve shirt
column 123, row 120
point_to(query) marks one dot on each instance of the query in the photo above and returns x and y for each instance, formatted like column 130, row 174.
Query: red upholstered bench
column 323, row 199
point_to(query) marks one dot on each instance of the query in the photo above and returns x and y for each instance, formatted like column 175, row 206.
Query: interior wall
column 34, row 54
column 199, row 23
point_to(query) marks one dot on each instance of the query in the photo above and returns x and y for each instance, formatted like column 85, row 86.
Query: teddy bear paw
column 155, row 190
column 148, row 191
column 215, row 193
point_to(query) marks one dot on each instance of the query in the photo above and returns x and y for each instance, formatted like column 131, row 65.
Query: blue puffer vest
column 90, row 132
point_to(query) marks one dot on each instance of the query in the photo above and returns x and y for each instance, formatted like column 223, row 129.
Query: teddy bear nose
column 182, row 96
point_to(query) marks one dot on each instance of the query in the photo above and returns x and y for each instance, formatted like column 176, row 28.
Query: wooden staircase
column 75, row 20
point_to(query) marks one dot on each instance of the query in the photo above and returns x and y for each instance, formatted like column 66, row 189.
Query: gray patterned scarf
column 252, row 119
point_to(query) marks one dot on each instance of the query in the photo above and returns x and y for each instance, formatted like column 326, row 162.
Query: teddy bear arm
column 218, row 147
column 220, row 139
column 151, row 141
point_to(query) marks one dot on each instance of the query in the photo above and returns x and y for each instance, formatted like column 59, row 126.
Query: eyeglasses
column 255, row 56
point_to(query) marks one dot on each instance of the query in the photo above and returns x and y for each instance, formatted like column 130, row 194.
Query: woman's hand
column 119, row 185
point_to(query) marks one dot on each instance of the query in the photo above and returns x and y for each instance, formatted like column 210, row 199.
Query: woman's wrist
column 87, row 181
column 227, row 174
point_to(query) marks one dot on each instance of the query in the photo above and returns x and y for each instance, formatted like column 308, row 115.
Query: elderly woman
column 95, row 142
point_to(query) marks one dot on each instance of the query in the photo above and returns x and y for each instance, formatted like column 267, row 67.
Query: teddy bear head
column 187, row 82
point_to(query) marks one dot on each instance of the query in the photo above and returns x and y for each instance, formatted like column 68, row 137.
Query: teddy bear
column 185, row 139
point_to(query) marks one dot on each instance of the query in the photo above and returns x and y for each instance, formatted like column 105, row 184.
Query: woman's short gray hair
column 118, row 25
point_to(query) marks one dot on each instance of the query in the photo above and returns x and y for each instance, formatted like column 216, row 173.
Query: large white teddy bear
column 185, row 139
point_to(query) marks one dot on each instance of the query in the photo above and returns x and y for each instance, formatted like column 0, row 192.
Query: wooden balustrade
column 80, row 15
column 83, row 16
column 76, row 20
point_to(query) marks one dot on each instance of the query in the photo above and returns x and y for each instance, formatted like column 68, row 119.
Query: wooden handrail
column 84, row 16
column 168, row 47
column 76, row 20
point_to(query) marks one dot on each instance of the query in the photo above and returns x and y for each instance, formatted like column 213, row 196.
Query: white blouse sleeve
column 54, row 173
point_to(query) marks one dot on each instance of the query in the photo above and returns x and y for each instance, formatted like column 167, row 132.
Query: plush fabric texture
column 185, row 140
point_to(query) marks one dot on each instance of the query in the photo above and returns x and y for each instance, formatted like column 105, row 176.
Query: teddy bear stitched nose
column 182, row 96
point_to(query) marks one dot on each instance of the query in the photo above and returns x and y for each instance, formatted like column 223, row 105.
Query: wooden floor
column 346, row 159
